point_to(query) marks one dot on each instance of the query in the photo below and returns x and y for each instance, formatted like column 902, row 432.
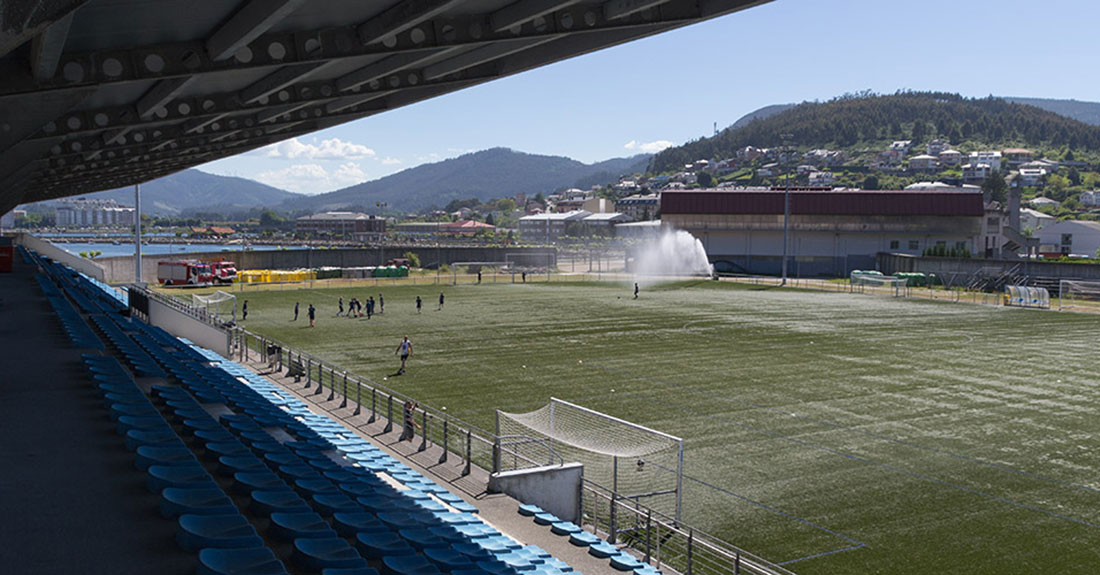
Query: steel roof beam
column 525, row 11
column 283, row 78
column 400, row 17
column 46, row 47
column 248, row 23
column 615, row 9
column 160, row 94
column 22, row 21
column 480, row 56
column 384, row 67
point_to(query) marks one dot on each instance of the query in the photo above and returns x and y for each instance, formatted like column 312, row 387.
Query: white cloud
column 313, row 178
column 649, row 147
column 331, row 149
column 389, row 161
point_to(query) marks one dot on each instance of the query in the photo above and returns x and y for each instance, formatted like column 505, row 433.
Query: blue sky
column 671, row 88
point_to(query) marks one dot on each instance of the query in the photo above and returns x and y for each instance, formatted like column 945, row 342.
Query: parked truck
column 176, row 273
column 225, row 272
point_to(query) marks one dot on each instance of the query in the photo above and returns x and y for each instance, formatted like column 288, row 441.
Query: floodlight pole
column 786, row 202
column 137, row 233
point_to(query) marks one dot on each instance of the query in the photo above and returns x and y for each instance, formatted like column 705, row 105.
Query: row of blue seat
column 310, row 475
column 80, row 335
column 620, row 560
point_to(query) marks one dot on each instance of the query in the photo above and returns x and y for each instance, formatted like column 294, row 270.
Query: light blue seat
column 472, row 551
column 530, row 510
column 159, row 477
column 647, row 570
column 176, row 501
column 382, row 544
column 564, row 528
column 546, row 518
column 329, row 503
column 602, row 550
column 254, row 561
column 229, row 531
column 349, row 523
column 464, row 507
column 408, row 565
column 317, row 554
column 625, row 562
column 308, row 525
column 583, row 539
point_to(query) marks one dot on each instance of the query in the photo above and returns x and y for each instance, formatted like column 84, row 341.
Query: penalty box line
column 872, row 434
column 886, row 466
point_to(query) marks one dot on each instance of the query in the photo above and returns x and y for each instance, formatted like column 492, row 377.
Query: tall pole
column 137, row 233
column 786, row 202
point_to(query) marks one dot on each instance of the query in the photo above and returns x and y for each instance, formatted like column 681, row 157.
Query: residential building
column 1017, row 155
column 639, row 207
column 973, row 173
column 1070, row 237
column 1032, row 219
column 603, row 224
column 768, row 170
column 825, row 158
column 831, row 231
column 417, row 228
column 1041, row 202
column 7, row 221
column 348, row 225
column 598, row 205
column 821, row 178
column 940, row 186
column 465, row 228
column 86, row 213
column 991, row 159
column 549, row 227
column 1090, row 199
column 1047, row 165
column 950, row 157
column 565, row 206
column 901, row 146
column 923, row 163
column 1031, row 177
column 937, row 147
column 212, row 232
column 887, row 159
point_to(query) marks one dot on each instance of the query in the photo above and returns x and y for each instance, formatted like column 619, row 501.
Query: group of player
column 355, row 307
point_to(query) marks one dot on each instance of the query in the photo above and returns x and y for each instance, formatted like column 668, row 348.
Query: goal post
column 220, row 305
column 477, row 265
column 874, row 279
column 1078, row 295
column 634, row 463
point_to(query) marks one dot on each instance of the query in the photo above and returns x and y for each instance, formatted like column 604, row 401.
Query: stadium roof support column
column 253, row 19
column 21, row 21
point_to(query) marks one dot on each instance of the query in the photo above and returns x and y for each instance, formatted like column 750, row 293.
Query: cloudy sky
column 650, row 94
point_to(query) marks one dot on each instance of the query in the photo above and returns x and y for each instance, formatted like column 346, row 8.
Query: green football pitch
column 840, row 433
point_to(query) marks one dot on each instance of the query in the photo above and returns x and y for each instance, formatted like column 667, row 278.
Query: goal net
column 1074, row 295
column 875, row 279
column 635, row 463
column 220, row 305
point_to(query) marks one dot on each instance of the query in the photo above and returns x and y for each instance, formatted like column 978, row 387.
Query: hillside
column 865, row 123
column 486, row 175
column 192, row 191
column 1087, row 112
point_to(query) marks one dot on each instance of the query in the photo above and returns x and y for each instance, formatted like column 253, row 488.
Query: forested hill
column 870, row 122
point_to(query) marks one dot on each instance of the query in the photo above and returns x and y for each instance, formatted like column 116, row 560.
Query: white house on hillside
column 950, row 157
column 1070, row 237
column 1034, row 219
column 992, row 159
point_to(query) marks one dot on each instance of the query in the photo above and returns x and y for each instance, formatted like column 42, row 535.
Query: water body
column 124, row 249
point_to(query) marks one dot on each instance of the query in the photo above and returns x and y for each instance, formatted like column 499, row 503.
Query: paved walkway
column 501, row 511
column 71, row 499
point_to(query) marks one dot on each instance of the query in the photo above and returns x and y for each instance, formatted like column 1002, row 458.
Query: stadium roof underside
column 98, row 94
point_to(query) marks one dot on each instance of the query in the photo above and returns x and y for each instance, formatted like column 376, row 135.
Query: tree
column 271, row 219
column 414, row 259
column 490, row 220
column 871, row 182
column 539, row 199
column 994, row 187
column 705, row 180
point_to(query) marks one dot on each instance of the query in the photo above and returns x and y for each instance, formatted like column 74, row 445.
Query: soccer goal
column 1074, row 295
column 219, row 305
column 473, row 270
column 859, row 280
column 634, row 463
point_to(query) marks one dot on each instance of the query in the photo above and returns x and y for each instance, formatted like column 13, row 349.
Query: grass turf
column 843, row 433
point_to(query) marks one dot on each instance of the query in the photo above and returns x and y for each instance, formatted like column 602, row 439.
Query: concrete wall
column 556, row 488
column 121, row 269
column 180, row 324
column 83, row 265
column 892, row 263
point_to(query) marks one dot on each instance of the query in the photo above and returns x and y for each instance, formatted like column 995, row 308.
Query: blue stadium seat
column 602, row 549
column 255, row 561
column 176, row 501
column 229, row 531
column 584, row 539
column 408, row 565
column 317, row 554
column 285, row 501
column 382, row 544
column 309, row 525
column 530, row 510
column 348, row 524
column 625, row 562
column 564, row 528
column 160, row 477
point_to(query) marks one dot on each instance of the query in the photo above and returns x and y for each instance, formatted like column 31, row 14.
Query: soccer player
column 295, row 312
column 312, row 314
column 635, row 290
column 341, row 304
column 418, row 304
column 440, row 302
column 381, row 304
column 244, row 311
column 406, row 349
column 370, row 306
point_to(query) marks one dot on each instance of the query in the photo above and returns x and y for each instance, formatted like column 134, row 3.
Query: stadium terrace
column 831, row 231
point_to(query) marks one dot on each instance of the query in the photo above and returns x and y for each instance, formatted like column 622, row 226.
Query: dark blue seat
column 215, row 450
column 163, row 437
column 408, row 565
column 159, row 477
column 291, row 526
column 350, row 523
column 176, row 501
column 311, row 486
column 232, row 464
column 128, row 422
column 382, row 544
column 472, row 551
column 286, row 501
column 246, row 482
column 317, row 554
column 329, row 503
column 255, row 561
column 421, row 538
column 229, row 531
column 148, row 455
column 350, row 571
column 448, row 559
column 400, row 520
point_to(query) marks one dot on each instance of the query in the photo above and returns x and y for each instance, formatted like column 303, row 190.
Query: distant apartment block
column 640, row 207
column 991, row 159
column 350, row 225
column 92, row 213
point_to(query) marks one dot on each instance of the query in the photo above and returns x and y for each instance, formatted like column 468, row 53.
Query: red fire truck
column 185, row 273
column 225, row 272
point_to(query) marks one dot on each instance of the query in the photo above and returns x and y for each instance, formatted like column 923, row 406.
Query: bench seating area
column 620, row 560
column 256, row 481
